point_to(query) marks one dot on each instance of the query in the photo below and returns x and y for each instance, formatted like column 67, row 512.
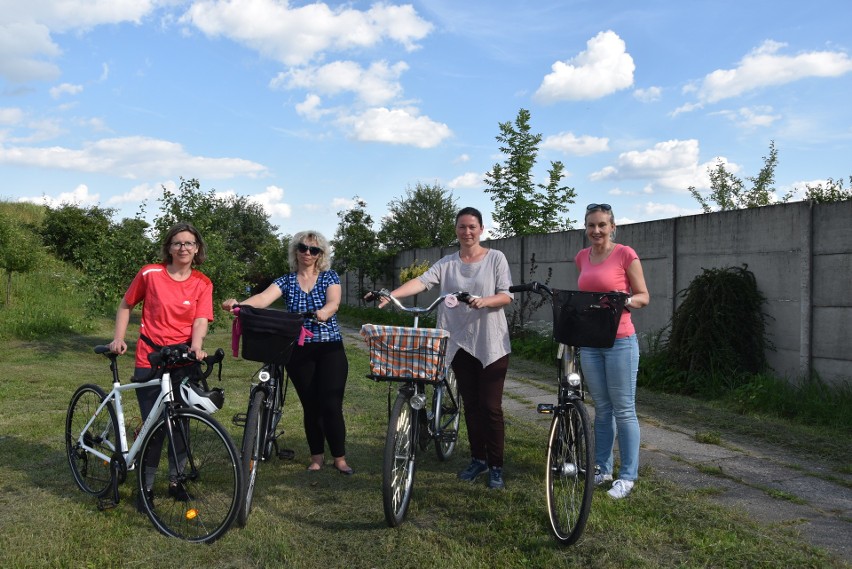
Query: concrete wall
column 800, row 254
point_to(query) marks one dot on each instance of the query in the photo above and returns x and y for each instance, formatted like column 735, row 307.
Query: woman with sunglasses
column 610, row 373
column 319, row 368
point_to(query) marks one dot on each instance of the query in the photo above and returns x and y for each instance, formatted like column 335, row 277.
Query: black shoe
column 178, row 491
column 140, row 506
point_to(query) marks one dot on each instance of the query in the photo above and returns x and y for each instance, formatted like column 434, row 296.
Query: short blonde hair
column 324, row 259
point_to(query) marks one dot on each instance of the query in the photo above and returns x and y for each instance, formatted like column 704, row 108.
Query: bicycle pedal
column 286, row 454
column 546, row 408
column 449, row 436
column 239, row 419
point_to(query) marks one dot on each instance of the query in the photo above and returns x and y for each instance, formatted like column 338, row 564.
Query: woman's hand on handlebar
column 229, row 304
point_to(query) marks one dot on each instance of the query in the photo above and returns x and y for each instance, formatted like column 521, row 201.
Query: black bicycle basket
column 268, row 335
column 586, row 319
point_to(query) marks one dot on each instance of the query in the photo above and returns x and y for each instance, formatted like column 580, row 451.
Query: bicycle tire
column 447, row 416
column 210, row 473
column 92, row 474
column 398, row 467
column 251, row 452
column 569, row 474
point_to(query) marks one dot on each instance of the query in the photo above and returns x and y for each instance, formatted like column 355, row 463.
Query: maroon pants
column 481, row 390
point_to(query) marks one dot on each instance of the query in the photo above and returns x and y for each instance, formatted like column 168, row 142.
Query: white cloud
column 672, row 164
column 11, row 115
column 462, row 159
column 649, row 95
column 342, row 203
column 272, row 200
column 467, row 180
column 765, row 67
column 78, row 196
column 754, row 117
column 569, row 143
column 310, row 108
column 604, row 68
column 397, row 126
column 297, row 35
column 26, row 27
column 375, row 85
column 663, row 210
column 130, row 157
column 65, row 89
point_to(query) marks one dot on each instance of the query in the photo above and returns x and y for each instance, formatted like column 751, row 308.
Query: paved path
column 824, row 517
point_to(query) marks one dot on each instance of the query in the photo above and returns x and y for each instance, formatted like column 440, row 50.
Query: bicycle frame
column 165, row 398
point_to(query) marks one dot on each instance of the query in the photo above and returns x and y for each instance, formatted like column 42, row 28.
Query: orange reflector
column 191, row 514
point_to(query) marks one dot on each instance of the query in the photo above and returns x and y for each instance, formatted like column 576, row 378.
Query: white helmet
column 208, row 401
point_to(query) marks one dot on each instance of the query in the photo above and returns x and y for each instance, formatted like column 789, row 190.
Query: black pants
column 481, row 391
column 318, row 372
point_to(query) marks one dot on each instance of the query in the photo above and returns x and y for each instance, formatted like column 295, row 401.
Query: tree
column 75, row 234
column 20, row 251
column 728, row 191
column 523, row 207
column 236, row 230
column 832, row 192
column 356, row 245
column 425, row 217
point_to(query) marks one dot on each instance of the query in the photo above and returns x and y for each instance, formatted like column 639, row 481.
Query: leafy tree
column 236, row 230
column 425, row 217
column 356, row 245
column 728, row 191
column 523, row 207
column 20, row 251
column 832, row 192
column 75, row 234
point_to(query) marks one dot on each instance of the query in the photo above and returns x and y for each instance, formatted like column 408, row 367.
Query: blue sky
column 303, row 106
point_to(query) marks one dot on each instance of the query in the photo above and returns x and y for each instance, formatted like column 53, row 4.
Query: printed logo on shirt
column 187, row 302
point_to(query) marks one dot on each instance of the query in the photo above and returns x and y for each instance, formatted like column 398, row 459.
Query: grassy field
column 325, row 520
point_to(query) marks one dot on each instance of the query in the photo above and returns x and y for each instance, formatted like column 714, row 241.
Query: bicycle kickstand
column 112, row 501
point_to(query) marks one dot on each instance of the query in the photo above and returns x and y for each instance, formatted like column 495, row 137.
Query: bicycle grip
column 526, row 287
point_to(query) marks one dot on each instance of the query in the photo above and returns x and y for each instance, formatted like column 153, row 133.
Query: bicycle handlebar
column 374, row 295
column 174, row 356
column 532, row 286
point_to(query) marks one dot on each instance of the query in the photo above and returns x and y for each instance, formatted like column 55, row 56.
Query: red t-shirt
column 169, row 307
column 608, row 276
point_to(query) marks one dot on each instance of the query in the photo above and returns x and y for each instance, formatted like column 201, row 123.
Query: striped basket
column 400, row 353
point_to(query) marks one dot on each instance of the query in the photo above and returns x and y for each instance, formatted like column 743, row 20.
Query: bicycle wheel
column 91, row 472
column 398, row 467
column 447, row 416
column 196, row 494
column 251, row 451
column 570, row 478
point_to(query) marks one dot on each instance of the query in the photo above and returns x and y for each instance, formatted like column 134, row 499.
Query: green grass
column 322, row 520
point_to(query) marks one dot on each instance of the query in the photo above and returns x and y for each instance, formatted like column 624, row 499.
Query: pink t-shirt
column 608, row 276
column 170, row 307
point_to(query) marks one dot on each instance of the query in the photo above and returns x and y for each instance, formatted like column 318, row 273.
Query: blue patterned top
column 298, row 300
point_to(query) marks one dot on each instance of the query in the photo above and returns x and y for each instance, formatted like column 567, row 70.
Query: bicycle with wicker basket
column 580, row 319
column 414, row 358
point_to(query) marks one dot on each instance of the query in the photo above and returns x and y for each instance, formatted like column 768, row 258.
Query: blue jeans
column 610, row 375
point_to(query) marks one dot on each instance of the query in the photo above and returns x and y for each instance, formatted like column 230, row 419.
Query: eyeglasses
column 600, row 206
column 304, row 249
column 177, row 245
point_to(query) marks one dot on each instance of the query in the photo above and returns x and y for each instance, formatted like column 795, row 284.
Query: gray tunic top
column 481, row 332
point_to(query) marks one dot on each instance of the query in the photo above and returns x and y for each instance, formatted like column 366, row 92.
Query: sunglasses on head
column 314, row 251
column 600, row 206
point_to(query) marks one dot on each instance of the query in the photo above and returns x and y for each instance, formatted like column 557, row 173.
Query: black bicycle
column 579, row 319
column 415, row 359
column 268, row 336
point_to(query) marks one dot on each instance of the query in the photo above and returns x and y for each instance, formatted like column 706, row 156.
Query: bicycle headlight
column 264, row 375
column 573, row 379
column 417, row 401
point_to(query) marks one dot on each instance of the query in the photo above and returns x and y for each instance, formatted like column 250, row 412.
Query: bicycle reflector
column 191, row 514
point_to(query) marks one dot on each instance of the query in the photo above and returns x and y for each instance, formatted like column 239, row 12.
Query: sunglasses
column 314, row 251
column 600, row 206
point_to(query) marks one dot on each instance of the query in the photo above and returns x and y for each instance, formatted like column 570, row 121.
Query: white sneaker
column 601, row 478
column 620, row 489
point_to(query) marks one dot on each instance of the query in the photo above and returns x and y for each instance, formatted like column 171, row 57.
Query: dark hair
column 470, row 211
column 180, row 227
